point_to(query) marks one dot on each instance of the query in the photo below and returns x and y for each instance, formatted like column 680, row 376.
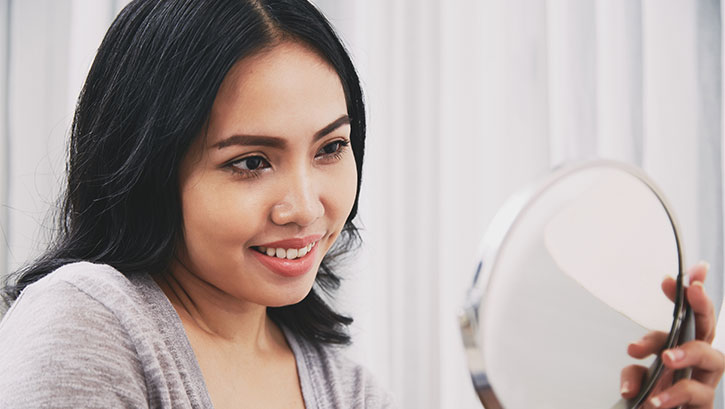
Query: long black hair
column 148, row 94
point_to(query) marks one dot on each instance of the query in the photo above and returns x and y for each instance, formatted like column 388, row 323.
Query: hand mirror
column 569, row 274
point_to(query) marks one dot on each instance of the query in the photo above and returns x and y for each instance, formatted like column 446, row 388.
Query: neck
column 208, row 311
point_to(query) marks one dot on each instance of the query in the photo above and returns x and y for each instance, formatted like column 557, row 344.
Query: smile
column 285, row 253
column 290, row 257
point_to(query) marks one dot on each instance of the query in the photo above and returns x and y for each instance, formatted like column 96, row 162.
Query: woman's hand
column 707, row 363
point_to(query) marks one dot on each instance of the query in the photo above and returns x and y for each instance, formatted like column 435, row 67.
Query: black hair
column 147, row 96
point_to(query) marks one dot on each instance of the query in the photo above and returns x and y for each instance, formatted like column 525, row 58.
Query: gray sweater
column 85, row 336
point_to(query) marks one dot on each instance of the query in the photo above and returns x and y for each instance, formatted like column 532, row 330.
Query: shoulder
column 63, row 340
column 84, row 296
column 336, row 380
column 94, row 280
column 78, row 294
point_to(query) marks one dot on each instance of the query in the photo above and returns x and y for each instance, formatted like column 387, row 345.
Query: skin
column 707, row 363
column 237, row 194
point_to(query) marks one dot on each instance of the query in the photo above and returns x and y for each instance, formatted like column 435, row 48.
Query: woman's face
column 267, row 191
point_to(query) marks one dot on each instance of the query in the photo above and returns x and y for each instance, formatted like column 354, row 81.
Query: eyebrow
column 277, row 142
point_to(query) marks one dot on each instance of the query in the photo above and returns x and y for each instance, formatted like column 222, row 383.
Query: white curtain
column 470, row 100
column 467, row 101
column 46, row 49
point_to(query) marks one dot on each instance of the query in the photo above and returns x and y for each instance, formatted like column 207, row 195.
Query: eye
column 333, row 150
column 331, row 147
column 249, row 166
column 251, row 163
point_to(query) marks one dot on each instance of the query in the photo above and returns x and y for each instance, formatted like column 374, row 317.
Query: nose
column 301, row 202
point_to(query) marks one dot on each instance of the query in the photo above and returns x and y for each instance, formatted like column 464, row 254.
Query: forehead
column 286, row 91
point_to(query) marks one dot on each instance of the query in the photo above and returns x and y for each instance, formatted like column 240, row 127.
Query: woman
column 213, row 175
column 214, row 169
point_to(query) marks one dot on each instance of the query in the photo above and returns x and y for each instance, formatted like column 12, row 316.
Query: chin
column 287, row 296
column 286, row 301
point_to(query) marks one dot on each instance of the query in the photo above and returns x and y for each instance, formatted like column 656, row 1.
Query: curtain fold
column 572, row 80
column 619, row 80
column 5, row 142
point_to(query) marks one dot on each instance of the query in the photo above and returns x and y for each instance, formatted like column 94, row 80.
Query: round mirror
column 569, row 274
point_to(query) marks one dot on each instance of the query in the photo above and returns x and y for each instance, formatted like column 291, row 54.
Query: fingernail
column 625, row 387
column 658, row 400
column 698, row 284
column 704, row 264
column 675, row 354
column 637, row 343
column 642, row 341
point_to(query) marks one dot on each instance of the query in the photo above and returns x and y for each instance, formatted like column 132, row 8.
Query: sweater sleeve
column 61, row 348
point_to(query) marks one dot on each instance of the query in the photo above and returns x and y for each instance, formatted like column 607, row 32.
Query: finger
column 698, row 272
column 669, row 287
column 702, row 306
column 704, row 312
column 703, row 309
column 631, row 380
column 700, row 355
column 650, row 344
column 685, row 392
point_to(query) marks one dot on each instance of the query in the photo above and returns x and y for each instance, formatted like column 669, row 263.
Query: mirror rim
column 496, row 234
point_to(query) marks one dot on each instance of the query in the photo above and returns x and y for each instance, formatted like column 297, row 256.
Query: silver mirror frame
column 682, row 328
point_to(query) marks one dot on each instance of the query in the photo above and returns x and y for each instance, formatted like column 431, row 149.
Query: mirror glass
column 569, row 275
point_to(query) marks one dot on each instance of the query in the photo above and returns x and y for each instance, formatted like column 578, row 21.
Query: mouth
column 285, row 253
column 288, row 258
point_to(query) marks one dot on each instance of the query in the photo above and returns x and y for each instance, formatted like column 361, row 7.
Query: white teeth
column 289, row 254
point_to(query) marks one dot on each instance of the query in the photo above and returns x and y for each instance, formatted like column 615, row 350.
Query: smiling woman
column 214, row 168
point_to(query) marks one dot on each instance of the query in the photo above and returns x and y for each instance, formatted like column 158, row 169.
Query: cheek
column 216, row 219
column 343, row 189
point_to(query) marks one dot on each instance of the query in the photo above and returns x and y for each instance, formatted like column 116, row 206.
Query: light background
column 467, row 101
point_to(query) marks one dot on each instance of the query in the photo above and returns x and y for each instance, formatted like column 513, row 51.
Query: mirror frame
column 682, row 329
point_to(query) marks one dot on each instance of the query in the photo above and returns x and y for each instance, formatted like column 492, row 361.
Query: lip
column 285, row 267
column 294, row 243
